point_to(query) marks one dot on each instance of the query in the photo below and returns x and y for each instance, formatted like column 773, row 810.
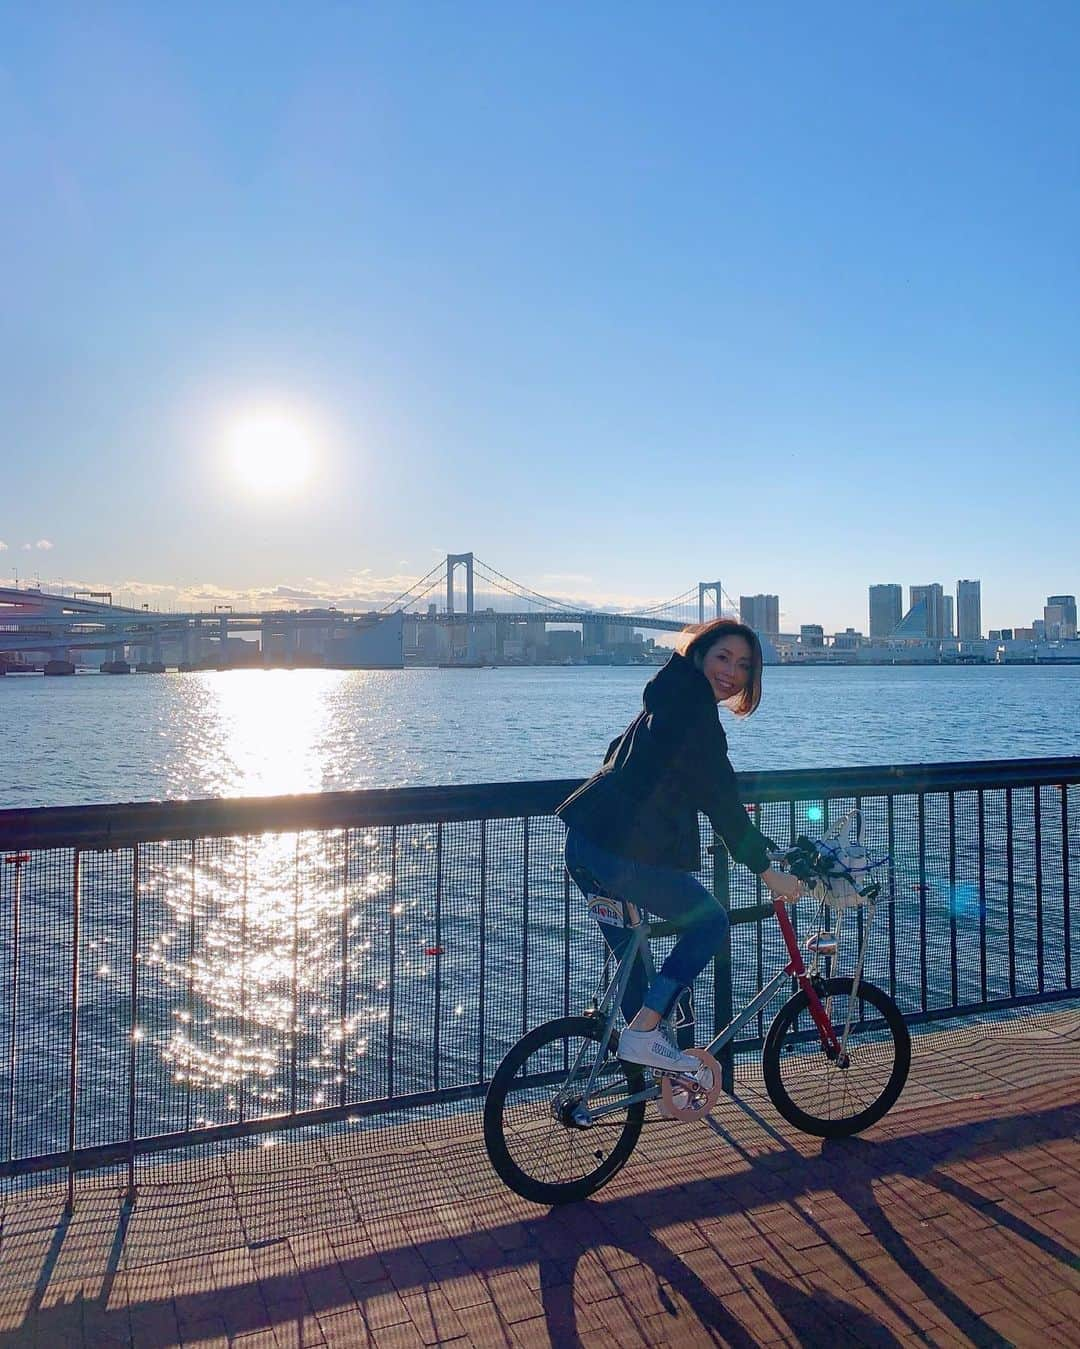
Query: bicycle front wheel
column 528, row 1130
column 830, row 1097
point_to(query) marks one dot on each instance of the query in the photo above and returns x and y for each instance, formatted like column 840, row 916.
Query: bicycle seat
column 610, row 911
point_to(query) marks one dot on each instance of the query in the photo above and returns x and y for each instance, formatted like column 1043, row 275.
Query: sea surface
column 92, row 738
column 221, row 978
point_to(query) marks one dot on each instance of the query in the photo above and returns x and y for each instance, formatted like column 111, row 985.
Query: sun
column 271, row 450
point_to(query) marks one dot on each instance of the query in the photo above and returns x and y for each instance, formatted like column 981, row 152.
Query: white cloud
column 43, row 545
column 3, row 546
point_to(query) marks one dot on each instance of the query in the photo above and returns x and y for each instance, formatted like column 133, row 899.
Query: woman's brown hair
column 695, row 641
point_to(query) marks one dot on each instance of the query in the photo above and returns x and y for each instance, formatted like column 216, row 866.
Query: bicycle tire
column 533, row 1152
column 811, row 1090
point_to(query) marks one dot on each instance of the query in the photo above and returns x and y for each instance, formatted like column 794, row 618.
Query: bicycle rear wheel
column 815, row 1092
column 532, row 1144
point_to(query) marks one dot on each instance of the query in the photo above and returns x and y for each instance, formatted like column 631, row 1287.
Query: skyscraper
column 1067, row 604
column 969, row 610
column 947, row 615
column 886, row 609
column 933, row 596
column 760, row 612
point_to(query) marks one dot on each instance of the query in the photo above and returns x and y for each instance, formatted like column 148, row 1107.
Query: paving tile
column 463, row 1288
column 402, row 1335
column 343, row 1329
column 433, row 1316
column 484, row 1326
column 384, row 1309
column 513, row 1297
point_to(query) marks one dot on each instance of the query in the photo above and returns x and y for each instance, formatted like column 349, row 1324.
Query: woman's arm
column 721, row 803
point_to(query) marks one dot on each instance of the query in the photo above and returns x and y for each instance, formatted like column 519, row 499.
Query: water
column 158, row 737
column 233, row 934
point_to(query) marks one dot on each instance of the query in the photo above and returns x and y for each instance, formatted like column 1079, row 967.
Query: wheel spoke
column 531, row 1145
column 811, row 1089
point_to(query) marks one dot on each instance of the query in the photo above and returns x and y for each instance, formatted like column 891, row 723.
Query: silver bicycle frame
column 612, row 999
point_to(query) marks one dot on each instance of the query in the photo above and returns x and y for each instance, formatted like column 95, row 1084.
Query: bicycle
column 563, row 1112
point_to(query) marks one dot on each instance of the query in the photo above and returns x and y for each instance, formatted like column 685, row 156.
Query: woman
column 632, row 829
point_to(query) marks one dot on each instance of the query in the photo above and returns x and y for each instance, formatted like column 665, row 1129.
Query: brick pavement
column 952, row 1222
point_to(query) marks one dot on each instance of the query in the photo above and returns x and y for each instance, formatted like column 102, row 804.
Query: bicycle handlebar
column 812, row 862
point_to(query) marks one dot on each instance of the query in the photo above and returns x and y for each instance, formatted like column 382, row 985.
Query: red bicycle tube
column 796, row 968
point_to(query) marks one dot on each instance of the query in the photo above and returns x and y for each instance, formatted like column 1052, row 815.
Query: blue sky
column 619, row 296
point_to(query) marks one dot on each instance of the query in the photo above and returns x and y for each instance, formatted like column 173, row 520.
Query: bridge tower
column 453, row 561
column 704, row 588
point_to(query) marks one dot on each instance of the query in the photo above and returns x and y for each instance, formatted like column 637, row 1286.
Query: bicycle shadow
column 855, row 1188
column 814, row 1317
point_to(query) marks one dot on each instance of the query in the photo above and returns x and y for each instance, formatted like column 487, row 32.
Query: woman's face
column 727, row 666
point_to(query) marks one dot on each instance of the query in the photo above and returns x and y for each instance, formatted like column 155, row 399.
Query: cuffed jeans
column 674, row 895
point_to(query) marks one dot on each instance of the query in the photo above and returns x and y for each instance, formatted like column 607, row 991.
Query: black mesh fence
column 311, row 971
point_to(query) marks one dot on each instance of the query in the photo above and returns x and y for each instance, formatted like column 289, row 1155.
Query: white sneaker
column 656, row 1049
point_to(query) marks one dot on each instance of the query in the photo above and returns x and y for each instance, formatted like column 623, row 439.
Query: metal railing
column 187, row 973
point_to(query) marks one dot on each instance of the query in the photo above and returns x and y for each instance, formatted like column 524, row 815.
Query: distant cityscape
column 58, row 633
column 934, row 627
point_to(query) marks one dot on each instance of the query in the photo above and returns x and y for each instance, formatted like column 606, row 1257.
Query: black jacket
column 670, row 763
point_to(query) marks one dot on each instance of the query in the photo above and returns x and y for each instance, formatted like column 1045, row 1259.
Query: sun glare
column 271, row 450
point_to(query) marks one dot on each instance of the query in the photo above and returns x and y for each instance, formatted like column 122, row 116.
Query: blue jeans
column 674, row 895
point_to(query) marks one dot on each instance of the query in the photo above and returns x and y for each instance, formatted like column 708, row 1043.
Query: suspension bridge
column 463, row 610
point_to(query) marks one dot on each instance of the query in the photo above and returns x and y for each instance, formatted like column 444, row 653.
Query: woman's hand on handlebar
column 782, row 885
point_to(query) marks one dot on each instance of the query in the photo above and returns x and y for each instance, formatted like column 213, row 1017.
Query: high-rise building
column 1067, row 604
column 812, row 636
column 969, row 610
column 932, row 595
column 760, row 612
column 947, row 616
column 886, row 609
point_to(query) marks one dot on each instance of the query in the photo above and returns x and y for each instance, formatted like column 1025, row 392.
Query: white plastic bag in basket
column 843, row 844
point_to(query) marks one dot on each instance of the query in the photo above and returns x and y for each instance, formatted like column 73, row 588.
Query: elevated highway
column 33, row 621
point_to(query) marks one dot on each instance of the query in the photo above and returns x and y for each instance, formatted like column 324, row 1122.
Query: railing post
column 241, row 1094
column 18, row 860
column 73, row 1061
column 391, row 956
column 133, row 1030
column 482, row 1009
column 525, row 927
column 294, row 997
column 1066, row 913
column 436, row 1036
column 1040, row 965
column 343, row 942
column 722, row 1000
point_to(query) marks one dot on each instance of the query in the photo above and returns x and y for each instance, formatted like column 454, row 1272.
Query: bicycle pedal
column 685, row 1098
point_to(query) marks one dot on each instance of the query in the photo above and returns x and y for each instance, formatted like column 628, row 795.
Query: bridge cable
column 439, row 566
column 522, row 591
column 671, row 603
